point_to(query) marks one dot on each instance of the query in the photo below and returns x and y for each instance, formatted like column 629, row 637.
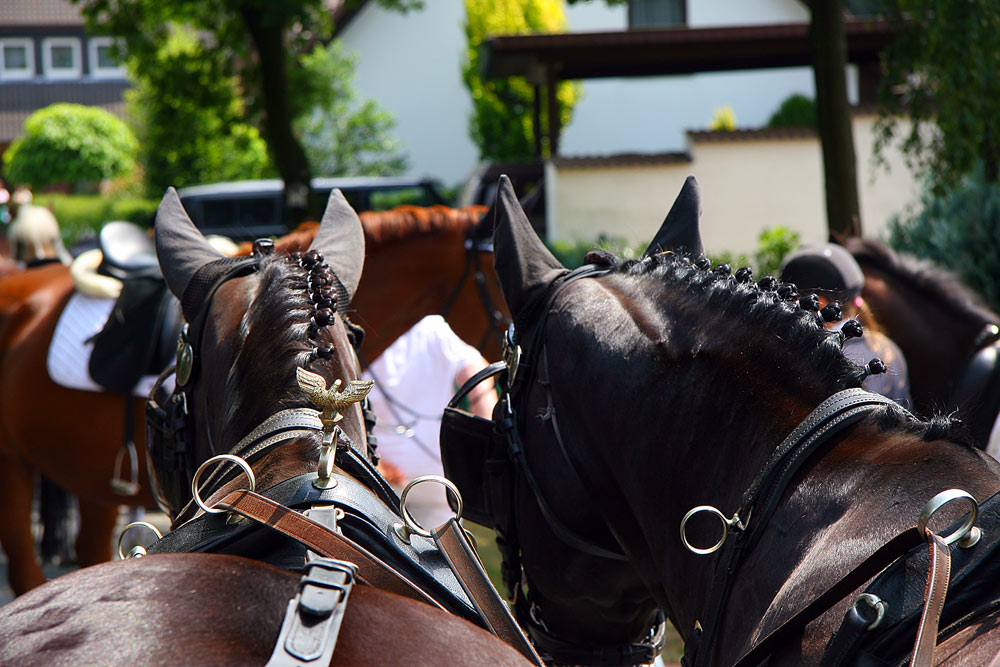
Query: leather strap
column 878, row 561
column 454, row 544
column 935, row 591
column 322, row 540
column 312, row 622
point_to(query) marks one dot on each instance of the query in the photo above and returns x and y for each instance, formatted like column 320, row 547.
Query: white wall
column 747, row 185
column 411, row 65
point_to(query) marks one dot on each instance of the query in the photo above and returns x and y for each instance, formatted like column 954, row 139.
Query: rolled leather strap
column 322, row 540
column 935, row 591
column 453, row 543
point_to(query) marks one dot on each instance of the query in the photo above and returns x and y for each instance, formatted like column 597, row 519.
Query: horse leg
column 97, row 524
column 17, row 485
column 55, row 510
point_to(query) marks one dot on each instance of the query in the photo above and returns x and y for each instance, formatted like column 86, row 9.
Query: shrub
column 958, row 229
column 80, row 216
column 796, row 111
column 724, row 119
column 70, row 143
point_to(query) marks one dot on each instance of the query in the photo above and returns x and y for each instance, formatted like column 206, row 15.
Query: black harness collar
column 818, row 430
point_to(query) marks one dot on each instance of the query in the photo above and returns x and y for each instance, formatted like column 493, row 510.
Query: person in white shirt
column 415, row 378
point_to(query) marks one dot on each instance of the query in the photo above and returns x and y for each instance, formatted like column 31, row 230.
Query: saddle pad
column 69, row 353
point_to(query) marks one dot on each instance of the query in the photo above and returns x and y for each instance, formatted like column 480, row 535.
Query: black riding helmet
column 826, row 269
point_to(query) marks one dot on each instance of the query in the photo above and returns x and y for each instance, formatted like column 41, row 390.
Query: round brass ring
column 136, row 524
column 411, row 524
column 221, row 457
column 715, row 547
column 942, row 499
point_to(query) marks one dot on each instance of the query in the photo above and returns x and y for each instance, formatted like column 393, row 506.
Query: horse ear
column 341, row 239
column 180, row 247
column 523, row 263
column 679, row 230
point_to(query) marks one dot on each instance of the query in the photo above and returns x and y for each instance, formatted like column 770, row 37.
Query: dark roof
column 670, row 50
column 39, row 13
column 31, row 95
column 621, row 160
column 760, row 134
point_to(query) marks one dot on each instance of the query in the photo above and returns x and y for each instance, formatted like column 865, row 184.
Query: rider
column 415, row 378
column 830, row 272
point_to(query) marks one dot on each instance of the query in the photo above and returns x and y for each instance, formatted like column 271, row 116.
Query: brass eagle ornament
column 330, row 401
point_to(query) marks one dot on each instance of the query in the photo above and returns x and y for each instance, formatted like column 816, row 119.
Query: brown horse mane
column 935, row 283
column 277, row 338
column 381, row 227
column 765, row 311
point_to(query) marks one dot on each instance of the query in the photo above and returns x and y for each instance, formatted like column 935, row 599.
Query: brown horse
column 419, row 263
column 940, row 325
column 254, row 331
column 648, row 388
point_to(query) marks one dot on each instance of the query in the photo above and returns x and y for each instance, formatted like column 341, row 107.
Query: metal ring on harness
column 967, row 531
column 874, row 602
column 735, row 522
column 410, row 526
column 221, row 457
column 137, row 550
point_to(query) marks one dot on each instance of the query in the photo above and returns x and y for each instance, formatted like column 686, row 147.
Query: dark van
column 247, row 210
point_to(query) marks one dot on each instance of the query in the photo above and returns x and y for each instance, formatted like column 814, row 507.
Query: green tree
column 796, row 111
column 191, row 133
column 942, row 73
column 259, row 40
column 70, row 143
column 342, row 135
column 501, row 124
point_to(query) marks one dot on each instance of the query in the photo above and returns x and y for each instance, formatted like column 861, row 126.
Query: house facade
column 46, row 57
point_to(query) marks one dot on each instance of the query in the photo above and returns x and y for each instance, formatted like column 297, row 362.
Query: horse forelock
column 275, row 340
column 939, row 285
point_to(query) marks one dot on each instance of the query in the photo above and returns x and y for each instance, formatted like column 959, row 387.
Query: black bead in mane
column 937, row 284
column 750, row 309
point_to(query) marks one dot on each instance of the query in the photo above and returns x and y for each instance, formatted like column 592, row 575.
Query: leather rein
column 495, row 320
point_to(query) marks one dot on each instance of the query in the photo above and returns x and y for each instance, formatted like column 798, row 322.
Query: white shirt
column 414, row 380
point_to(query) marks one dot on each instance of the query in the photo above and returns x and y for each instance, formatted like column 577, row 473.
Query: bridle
column 526, row 362
column 496, row 322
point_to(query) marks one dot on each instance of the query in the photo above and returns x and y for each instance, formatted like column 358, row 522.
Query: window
column 61, row 58
column 103, row 64
column 17, row 58
column 656, row 13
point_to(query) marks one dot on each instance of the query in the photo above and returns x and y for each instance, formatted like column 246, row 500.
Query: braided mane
column 764, row 315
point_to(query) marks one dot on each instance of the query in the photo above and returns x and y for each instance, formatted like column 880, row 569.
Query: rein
column 474, row 267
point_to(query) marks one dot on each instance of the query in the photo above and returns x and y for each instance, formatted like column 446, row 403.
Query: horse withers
column 651, row 391
column 257, row 326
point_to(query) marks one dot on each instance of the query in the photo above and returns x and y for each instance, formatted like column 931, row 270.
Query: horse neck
column 936, row 338
column 404, row 281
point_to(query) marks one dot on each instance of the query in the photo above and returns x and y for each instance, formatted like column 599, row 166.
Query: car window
column 241, row 212
column 415, row 196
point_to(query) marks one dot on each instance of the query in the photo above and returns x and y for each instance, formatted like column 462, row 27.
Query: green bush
column 959, row 230
column 796, row 111
column 80, row 216
column 70, row 143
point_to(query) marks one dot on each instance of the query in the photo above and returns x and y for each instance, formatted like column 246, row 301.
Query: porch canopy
column 544, row 60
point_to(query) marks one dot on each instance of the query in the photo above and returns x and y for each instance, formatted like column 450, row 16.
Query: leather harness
column 352, row 535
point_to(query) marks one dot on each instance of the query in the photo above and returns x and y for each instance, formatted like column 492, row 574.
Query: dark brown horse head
column 657, row 385
column 938, row 323
column 254, row 321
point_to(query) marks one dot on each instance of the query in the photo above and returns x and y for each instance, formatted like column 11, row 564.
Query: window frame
column 62, row 74
column 18, row 75
column 96, row 71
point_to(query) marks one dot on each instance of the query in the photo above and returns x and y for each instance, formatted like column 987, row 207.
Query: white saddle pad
column 69, row 353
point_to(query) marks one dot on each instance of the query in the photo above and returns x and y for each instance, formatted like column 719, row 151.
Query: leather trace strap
column 312, row 622
column 322, row 540
column 759, row 502
column 935, row 592
column 451, row 539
